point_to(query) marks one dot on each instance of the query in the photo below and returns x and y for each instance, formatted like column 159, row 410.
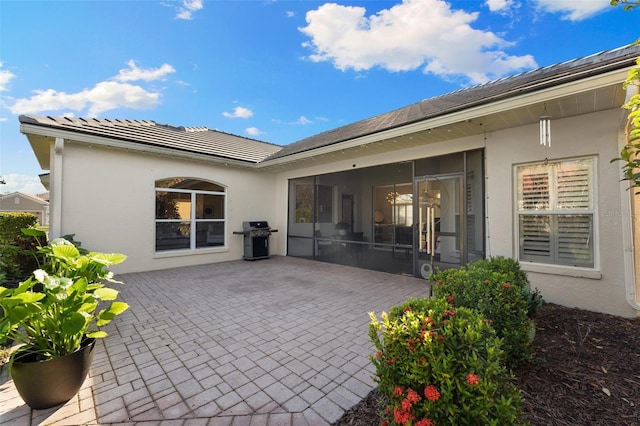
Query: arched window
column 190, row 214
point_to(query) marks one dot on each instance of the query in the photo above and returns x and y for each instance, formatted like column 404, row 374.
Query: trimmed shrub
column 438, row 365
column 501, row 293
column 17, row 250
column 516, row 277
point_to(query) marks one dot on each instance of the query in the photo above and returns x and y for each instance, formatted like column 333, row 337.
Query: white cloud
column 409, row 35
column 188, row 8
column 253, row 131
column 574, row 10
column 49, row 100
column 109, row 95
column 5, row 77
column 290, row 14
column 15, row 182
column 303, row 120
column 133, row 73
column 239, row 112
column 498, row 5
column 104, row 96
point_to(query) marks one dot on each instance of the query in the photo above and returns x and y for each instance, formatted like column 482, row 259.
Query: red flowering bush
column 438, row 365
column 501, row 293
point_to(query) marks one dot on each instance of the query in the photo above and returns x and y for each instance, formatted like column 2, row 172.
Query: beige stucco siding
column 108, row 201
column 602, row 288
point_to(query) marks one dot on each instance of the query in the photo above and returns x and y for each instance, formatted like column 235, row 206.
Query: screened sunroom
column 403, row 218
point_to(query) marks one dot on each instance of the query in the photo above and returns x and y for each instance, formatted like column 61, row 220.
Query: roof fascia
column 544, row 95
column 70, row 135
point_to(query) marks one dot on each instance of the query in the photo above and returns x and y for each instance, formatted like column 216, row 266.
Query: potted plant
column 53, row 317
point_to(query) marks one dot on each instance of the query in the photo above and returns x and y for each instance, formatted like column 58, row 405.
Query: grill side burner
column 256, row 239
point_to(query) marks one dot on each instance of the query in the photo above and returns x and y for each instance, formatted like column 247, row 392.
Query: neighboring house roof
column 44, row 196
column 33, row 198
column 222, row 145
column 490, row 92
column 200, row 140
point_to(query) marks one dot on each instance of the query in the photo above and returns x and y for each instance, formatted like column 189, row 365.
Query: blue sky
column 277, row 71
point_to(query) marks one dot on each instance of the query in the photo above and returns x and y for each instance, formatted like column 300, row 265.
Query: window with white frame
column 190, row 214
column 555, row 211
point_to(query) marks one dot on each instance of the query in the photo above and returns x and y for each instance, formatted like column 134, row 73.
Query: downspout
column 630, row 206
column 55, row 197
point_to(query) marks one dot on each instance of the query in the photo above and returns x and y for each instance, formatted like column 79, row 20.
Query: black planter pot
column 45, row 384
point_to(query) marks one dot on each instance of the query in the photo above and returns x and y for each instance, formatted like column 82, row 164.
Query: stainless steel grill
column 256, row 239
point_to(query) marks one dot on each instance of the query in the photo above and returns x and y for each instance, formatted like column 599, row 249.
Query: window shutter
column 534, row 191
column 573, row 187
column 575, row 240
column 535, row 237
column 564, row 191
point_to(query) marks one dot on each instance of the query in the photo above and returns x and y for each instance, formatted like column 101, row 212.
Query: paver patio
column 280, row 341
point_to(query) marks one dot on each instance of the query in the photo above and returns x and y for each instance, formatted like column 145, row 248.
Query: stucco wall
column 589, row 135
column 108, row 201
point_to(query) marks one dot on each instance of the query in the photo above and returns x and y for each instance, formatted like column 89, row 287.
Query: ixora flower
column 402, row 416
column 424, row 422
column 472, row 379
column 431, row 393
column 413, row 396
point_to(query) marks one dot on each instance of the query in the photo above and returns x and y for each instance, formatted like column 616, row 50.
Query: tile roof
column 199, row 140
column 486, row 93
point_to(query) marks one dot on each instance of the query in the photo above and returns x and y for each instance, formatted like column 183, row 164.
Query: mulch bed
column 585, row 371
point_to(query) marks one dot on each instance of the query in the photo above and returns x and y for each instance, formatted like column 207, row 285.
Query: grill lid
column 250, row 226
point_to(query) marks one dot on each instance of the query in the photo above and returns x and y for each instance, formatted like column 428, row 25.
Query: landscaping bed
column 585, row 370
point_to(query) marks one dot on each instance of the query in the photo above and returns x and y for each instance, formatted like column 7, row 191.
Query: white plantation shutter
column 535, row 191
column 575, row 237
column 573, row 187
column 535, row 237
column 563, row 192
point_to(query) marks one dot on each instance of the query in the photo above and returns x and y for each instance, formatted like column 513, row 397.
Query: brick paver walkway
column 280, row 341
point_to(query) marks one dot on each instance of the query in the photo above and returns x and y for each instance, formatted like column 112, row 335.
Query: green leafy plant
column 501, row 293
column 438, row 365
column 626, row 4
column 629, row 154
column 52, row 311
column 16, row 260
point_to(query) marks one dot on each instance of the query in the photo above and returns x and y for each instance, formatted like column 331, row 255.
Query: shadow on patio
column 281, row 341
